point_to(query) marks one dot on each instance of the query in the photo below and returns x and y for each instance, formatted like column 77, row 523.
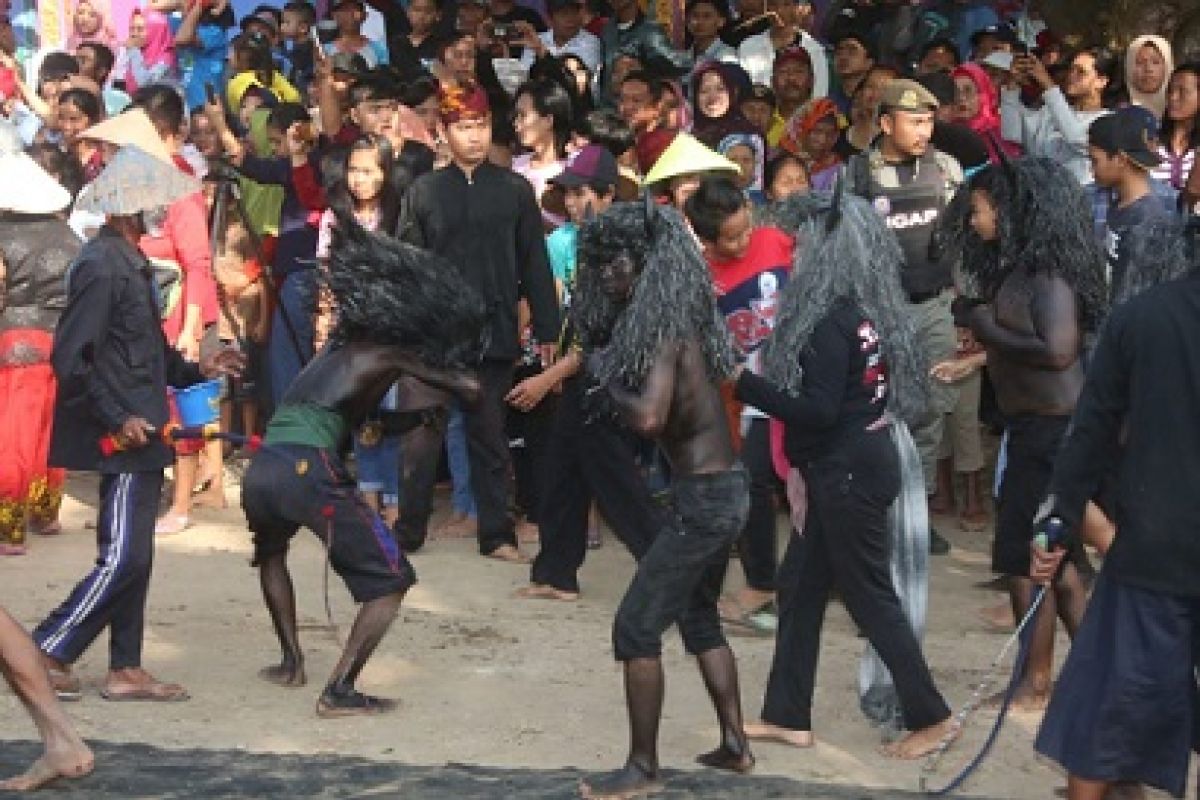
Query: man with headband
column 485, row 220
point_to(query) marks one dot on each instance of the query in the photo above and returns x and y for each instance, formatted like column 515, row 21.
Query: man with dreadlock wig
column 399, row 312
column 843, row 353
column 658, row 348
column 1031, row 259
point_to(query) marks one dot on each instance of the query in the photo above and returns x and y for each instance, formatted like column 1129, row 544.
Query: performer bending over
column 399, row 312
column 842, row 353
column 658, row 347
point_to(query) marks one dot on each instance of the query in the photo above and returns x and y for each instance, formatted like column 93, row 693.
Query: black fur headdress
column 1044, row 223
column 389, row 292
column 673, row 297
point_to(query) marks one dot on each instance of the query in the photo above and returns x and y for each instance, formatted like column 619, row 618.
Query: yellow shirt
column 280, row 87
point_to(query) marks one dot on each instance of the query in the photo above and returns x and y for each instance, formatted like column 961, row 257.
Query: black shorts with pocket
column 288, row 486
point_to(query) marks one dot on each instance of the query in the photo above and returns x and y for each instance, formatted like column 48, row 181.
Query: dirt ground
column 515, row 696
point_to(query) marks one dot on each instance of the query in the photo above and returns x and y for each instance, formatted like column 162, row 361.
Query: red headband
column 456, row 103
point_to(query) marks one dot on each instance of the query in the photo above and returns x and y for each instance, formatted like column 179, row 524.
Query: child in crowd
column 246, row 318
column 350, row 16
column 296, row 31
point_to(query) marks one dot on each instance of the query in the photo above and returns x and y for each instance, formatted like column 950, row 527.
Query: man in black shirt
column 485, row 221
column 1122, row 157
column 1124, row 708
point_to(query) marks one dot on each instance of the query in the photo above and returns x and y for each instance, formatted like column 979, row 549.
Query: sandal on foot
column 12, row 549
column 154, row 692
column 331, row 705
column 171, row 524
column 759, row 621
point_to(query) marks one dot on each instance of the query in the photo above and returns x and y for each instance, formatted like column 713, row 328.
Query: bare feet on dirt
column 766, row 732
column 334, row 704
column 725, row 757
column 919, row 744
column 1027, row 700
column 66, row 758
column 540, row 591
column 289, row 676
column 624, row 784
column 509, row 553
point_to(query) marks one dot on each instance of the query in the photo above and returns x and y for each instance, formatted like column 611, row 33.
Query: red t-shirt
column 748, row 288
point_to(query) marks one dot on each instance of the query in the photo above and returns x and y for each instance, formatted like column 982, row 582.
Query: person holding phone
column 1058, row 129
column 204, row 35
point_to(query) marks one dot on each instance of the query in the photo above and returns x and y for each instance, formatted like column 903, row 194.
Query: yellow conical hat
column 685, row 156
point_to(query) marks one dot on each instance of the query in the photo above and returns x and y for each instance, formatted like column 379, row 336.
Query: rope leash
column 1053, row 535
column 976, row 701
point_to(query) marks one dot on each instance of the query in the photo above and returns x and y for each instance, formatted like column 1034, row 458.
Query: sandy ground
column 520, row 689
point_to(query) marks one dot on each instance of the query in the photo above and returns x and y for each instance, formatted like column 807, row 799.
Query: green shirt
column 307, row 424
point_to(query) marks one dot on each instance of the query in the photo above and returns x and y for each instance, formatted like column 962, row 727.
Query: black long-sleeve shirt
column 1145, row 372
column 844, row 387
column 490, row 227
column 111, row 360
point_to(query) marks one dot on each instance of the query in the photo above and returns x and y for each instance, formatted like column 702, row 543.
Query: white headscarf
column 1156, row 102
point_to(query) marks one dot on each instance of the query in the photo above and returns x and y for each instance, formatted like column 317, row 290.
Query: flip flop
column 151, row 693
column 65, row 685
column 363, row 705
column 750, row 622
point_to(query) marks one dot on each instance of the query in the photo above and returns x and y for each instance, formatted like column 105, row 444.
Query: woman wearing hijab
column 977, row 105
column 150, row 49
column 1148, row 64
column 812, row 133
column 715, row 98
column 36, row 247
column 747, row 151
column 91, row 21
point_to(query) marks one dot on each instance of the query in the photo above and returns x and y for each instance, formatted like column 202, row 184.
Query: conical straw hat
column 131, row 127
column 685, row 156
column 135, row 181
column 26, row 188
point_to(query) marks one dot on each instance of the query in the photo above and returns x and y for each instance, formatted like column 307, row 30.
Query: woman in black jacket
column 842, row 354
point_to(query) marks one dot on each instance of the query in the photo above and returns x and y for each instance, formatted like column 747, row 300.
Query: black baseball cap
column 1130, row 131
column 1001, row 31
column 860, row 35
column 940, row 85
column 762, row 94
column 559, row 5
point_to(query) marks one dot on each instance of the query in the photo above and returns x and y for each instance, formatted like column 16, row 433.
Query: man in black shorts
column 398, row 312
column 657, row 348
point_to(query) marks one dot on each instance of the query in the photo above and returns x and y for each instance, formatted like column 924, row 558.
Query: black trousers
column 491, row 464
column 756, row 545
column 421, row 449
column 113, row 594
column 846, row 542
column 586, row 460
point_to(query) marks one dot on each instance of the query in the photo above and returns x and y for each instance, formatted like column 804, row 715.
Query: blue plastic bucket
column 199, row 404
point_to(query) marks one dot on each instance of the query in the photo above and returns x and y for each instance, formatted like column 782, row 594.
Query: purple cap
column 591, row 165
